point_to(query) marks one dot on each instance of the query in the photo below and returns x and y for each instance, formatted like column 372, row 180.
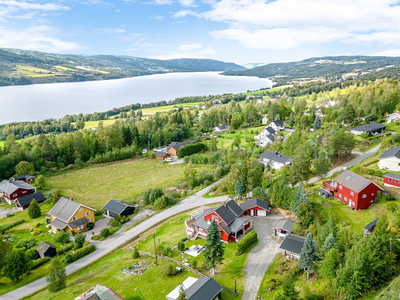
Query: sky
column 240, row 31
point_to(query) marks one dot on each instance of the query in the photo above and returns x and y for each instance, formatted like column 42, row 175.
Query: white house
column 275, row 160
column 265, row 120
column 394, row 117
column 277, row 125
column 265, row 140
column 222, row 128
column 330, row 103
column 390, row 159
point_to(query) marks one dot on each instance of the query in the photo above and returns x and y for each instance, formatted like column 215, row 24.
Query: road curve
column 112, row 243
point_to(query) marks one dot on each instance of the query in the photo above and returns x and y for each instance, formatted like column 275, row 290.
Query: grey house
column 275, row 160
column 204, row 288
column 292, row 245
column 117, row 207
column 373, row 128
column 283, row 226
column 46, row 249
column 390, row 159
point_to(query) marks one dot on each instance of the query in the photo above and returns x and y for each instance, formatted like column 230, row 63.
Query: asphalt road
column 110, row 244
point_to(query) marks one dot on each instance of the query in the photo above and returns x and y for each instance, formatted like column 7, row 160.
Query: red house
column 230, row 219
column 356, row 191
column 391, row 179
column 27, row 178
column 255, row 207
column 11, row 190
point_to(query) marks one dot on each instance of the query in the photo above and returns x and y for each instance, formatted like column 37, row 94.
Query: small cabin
column 46, row 249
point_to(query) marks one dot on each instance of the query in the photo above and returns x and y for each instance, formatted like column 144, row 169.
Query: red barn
column 391, row 179
column 27, row 178
column 255, row 207
column 356, row 191
column 11, row 190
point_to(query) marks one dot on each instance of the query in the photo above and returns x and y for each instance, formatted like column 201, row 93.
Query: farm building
column 283, row 227
column 11, row 190
column 390, row 159
column 391, row 179
column 356, row 191
column 46, row 249
column 204, row 288
column 255, row 207
column 275, row 160
column 161, row 155
column 23, row 202
column 27, row 178
column 370, row 226
column 116, row 207
column 372, row 128
column 99, row 292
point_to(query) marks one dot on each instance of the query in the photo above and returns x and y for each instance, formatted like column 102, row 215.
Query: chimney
column 276, row 152
column 72, row 199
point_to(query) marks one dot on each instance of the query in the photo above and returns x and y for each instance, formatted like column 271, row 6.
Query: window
column 81, row 209
column 345, row 198
column 352, row 193
column 89, row 220
column 88, row 213
column 215, row 218
column 15, row 195
column 80, row 227
column 364, row 195
column 372, row 194
column 390, row 180
column 340, row 195
column 340, row 187
column 397, row 181
column 23, row 192
column 73, row 218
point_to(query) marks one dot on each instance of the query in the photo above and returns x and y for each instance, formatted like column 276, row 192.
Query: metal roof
column 205, row 288
column 236, row 209
column 238, row 223
column 177, row 145
column 26, row 176
column 43, row 246
column 293, row 243
column 160, row 154
column 59, row 224
column 226, row 214
column 369, row 127
column 270, row 130
column 353, row 181
column 277, row 123
column 285, row 224
column 392, row 152
column 392, row 175
column 276, row 156
column 10, row 187
column 371, row 225
column 185, row 285
column 225, row 227
column 255, row 202
column 26, row 200
column 64, row 209
column 78, row 222
column 99, row 292
column 116, row 206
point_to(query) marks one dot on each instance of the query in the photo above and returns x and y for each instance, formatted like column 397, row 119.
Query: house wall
column 390, row 163
column 128, row 211
column 345, row 195
column 172, row 151
column 214, row 216
column 392, row 118
column 51, row 252
column 391, row 181
column 355, row 132
column 18, row 193
column 247, row 212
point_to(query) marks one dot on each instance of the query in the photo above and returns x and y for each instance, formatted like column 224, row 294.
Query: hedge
column 4, row 228
column 246, row 242
column 64, row 249
column 191, row 149
column 38, row 262
column 71, row 257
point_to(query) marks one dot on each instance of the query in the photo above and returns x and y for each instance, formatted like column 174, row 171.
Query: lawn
column 33, row 71
column 124, row 180
column 153, row 110
column 393, row 127
column 65, row 68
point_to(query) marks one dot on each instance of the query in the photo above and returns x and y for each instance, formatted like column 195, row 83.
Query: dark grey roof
column 293, row 243
column 392, row 152
column 392, row 175
column 78, row 222
column 352, row 181
column 116, row 206
column 226, row 214
column 369, row 127
column 43, row 246
column 26, row 176
column 205, row 288
column 65, row 208
column 285, row 224
column 270, row 130
column 100, row 292
column 371, row 225
column 59, row 224
column 223, row 126
column 160, row 154
column 26, row 200
column 91, row 297
column 315, row 109
column 277, row 123
column 177, row 145
column 276, row 156
column 255, row 202
column 236, row 209
column 225, row 227
column 238, row 223
column 10, row 187
column 270, row 137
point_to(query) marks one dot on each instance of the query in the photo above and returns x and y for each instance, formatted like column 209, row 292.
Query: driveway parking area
column 99, row 225
column 5, row 211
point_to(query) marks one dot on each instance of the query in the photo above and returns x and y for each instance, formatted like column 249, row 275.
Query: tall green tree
column 288, row 290
column 56, row 196
column 299, row 198
column 213, row 248
column 330, row 243
column 34, row 210
column 40, row 183
column 330, row 264
column 24, row 167
column 48, row 152
column 317, row 122
column 307, row 256
column 17, row 264
column 322, row 164
column 5, row 248
column 56, row 276
column 256, row 174
column 301, row 165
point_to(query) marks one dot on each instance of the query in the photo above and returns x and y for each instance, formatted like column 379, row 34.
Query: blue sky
column 241, row 31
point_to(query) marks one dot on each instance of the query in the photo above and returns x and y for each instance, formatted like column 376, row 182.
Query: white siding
column 390, row 163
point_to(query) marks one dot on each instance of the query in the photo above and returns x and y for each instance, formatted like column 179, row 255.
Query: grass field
column 95, row 185
column 33, row 71
column 65, row 68
column 153, row 110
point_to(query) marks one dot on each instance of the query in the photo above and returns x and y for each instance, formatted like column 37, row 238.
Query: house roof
column 59, row 224
column 185, row 284
column 353, row 181
column 315, row 109
column 371, row 225
column 10, row 187
column 26, row 200
column 285, row 224
column 222, row 127
column 177, row 145
column 116, row 206
column 236, row 209
column 238, row 223
column 229, row 211
column 65, row 209
column 277, row 123
column 255, row 202
column 293, row 243
column 78, row 222
column 225, row 227
column 270, row 130
column 101, row 292
column 270, row 137
column 392, row 175
column 205, row 288
column 276, row 156
column 43, row 246
column 369, row 127
column 26, row 176
column 392, row 152
column 160, row 154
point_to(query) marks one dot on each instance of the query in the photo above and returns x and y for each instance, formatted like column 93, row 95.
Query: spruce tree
column 288, row 290
column 330, row 243
column 34, row 210
column 213, row 248
column 56, row 277
column 307, row 256
column 330, row 264
column 182, row 293
column 317, row 122
column 299, row 197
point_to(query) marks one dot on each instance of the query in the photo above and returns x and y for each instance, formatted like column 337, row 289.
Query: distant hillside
column 321, row 67
column 28, row 67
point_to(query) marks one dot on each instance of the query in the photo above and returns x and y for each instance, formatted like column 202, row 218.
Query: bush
column 79, row 240
column 392, row 206
column 38, row 262
column 135, row 254
column 194, row 264
column 62, row 237
column 114, row 223
column 160, row 203
column 99, row 212
column 90, row 225
column 181, row 246
column 32, row 254
column 27, row 243
column 246, row 242
column 390, row 198
column 4, row 228
column 168, row 270
column 71, row 257
column 105, row 232
column 36, row 231
column 62, row 250
column 191, row 149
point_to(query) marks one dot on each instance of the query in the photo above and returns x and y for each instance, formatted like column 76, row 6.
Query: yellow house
column 69, row 216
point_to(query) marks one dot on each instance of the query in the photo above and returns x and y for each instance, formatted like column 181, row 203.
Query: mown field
column 125, row 180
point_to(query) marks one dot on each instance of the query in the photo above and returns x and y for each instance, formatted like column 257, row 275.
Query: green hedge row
column 64, row 249
column 246, row 242
column 38, row 262
column 71, row 257
column 191, row 149
column 4, row 228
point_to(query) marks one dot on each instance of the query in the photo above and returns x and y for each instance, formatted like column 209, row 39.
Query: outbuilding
column 391, row 179
column 255, row 207
column 24, row 202
column 27, row 178
column 116, row 207
column 161, row 155
column 292, row 245
column 283, row 227
column 390, row 159
column 370, row 226
column 46, row 249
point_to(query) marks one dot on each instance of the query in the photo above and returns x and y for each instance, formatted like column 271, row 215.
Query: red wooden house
column 27, row 178
column 391, row 179
column 11, row 190
column 255, row 207
column 356, row 191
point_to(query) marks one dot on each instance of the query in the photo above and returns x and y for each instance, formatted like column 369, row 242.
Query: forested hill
column 321, row 67
column 27, row 67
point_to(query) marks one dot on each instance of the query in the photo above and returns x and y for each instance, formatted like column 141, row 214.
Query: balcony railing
column 328, row 185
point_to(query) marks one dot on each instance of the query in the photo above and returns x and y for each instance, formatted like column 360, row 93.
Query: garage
column 261, row 213
column 255, row 207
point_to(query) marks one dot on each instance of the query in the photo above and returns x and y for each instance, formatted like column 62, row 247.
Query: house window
column 340, row 187
column 73, row 218
column 390, row 180
column 80, row 227
column 398, row 164
column 15, row 195
column 89, row 220
column 397, row 181
column 81, row 209
column 364, row 195
column 352, row 193
column 88, row 213
column 345, row 198
column 340, row 195
column 372, row 194
column 23, row 192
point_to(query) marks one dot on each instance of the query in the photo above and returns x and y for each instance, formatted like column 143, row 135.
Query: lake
column 55, row 100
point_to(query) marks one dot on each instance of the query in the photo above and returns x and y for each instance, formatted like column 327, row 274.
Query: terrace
column 330, row 185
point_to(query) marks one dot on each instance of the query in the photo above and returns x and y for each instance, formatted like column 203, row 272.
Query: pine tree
column 321, row 164
column 299, row 197
column 56, row 277
column 213, row 248
column 301, row 165
column 34, row 210
column 307, row 256
column 182, row 293
column 330, row 264
column 288, row 290
column 317, row 122
column 48, row 150
column 330, row 243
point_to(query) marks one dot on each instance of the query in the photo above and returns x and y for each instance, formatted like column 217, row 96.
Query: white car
column 168, row 159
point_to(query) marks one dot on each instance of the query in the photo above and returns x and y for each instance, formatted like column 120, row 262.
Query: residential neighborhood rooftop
column 391, row 152
column 285, row 224
column 369, row 127
column 293, row 243
column 116, row 206
column 10, row 186
column 352, row 181
column 255, row 202
column 276, row 156
column 26, row 200
column 392, row 175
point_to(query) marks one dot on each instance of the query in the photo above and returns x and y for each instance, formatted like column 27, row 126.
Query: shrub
column 99, row 212
column 114, row 223
column 191, row 149
column 32, row 254
column 61, row 237
column 27, row 243
column 181, row 246
column 62, row 250
column 246, row 242
column 105, row 232
column 79, row 240
column 160, row 203
column 135, row 254
column 71, row 257
column 90, row 225
column 392, row 206
column 38, row 262
column 168, row 270
column 36, row 231
column 390, row 198
column 194, row 264
column 4, row 228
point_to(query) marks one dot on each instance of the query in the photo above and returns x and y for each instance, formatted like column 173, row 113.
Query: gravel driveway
column 261, row 256
column 5, row 211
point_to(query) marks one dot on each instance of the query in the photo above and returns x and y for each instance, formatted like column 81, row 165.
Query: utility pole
column 155, row 252
column 235, row 284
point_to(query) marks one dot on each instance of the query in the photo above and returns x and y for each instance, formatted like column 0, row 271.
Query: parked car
column 168, row 159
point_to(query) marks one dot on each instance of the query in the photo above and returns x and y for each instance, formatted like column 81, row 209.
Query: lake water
column 55, row 100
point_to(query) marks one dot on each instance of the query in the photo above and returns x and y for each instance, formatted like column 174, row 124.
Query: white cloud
column 160, row 2
column 184, row 13
column 40, row 38
column 118, row 10
column 187, row 2
column 157, row 18
column 392, row 52
column 33, row 6
column 109, row 31
column 188, row 47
